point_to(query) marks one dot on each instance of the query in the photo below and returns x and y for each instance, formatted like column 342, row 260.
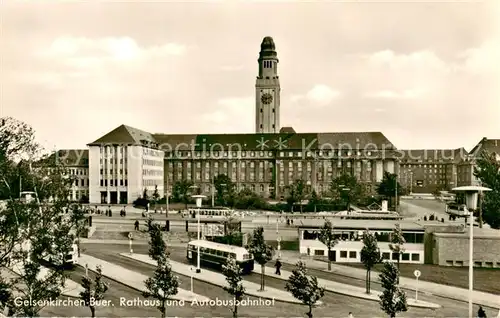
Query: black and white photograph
column 239, row 158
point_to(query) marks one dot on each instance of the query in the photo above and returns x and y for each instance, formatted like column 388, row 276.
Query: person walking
column 481, row 313
column 136, row 225
column 278, row 267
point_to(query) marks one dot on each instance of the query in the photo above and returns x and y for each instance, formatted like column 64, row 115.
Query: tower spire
column 267, row 89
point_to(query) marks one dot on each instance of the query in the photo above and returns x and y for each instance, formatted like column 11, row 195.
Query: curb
column 358, row 296
column 433, row 293
column 122, row 283
column 215, row 284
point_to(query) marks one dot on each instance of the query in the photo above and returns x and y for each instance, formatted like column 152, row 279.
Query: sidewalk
column 455, row 293
column 126, row 242
column 220, row 280
column 349, row 290
column 132, row 279
column 71, row 288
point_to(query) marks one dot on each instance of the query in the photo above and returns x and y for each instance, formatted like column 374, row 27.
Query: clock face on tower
column 266, row 98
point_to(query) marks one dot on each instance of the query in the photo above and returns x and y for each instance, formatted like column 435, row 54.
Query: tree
column 397, row 242
column 304, row 287
column 93, row 291
column 392, row 299
column 347, row 189
column 224, row 190
column 327, row 237
column 181, row 191
column 235, row 288
column 79, row 222
column 31, row 232
column 488, row 171
column 389, row 186
column 296, row 193
column 370, row 256
column 156, row 195
column 261, row 251
column 157, row 246
column 162, row 285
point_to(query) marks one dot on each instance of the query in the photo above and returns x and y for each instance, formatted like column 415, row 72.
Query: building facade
column 267, row 89
column 465, row 168
column 430, row 170
column 76, row 164
column 123, row 164
column 349, row 234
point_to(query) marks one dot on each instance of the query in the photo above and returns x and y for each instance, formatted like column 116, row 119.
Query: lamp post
column 471, row 193
column 198, row 198
column 279, row 247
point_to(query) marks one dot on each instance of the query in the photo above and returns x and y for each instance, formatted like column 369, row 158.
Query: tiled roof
column 69, row 158
column 412, row 155
column 287, row 130
column 279, row 141
column 125, row 135
column 355, row 140
column 489, row 145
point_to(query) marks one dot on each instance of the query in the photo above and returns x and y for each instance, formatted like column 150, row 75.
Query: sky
column 424, row 73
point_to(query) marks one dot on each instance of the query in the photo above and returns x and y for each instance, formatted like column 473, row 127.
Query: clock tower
column 267, row 90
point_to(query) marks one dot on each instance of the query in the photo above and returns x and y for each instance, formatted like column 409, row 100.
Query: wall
column 134, row 167
column 429, row 238
column 94, row 166
column 453, row 250
column 356, row 246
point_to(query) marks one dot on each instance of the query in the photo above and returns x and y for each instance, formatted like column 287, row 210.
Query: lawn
column 485, row 279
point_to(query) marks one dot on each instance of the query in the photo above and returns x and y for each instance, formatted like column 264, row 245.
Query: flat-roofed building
column 350, row 234
column 452, row 249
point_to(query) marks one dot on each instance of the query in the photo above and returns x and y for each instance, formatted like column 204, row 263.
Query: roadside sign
column 130, row 235
column 417, row 273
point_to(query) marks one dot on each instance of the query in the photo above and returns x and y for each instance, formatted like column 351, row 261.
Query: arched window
column 253, row 187
column 261, row 188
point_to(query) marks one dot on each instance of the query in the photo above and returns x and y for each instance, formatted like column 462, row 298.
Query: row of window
column 291, row 164
column 152, row 152
column 414, row 257
column 153, row 163
column 110, row 161
column 113, row 183
column 381, row 236
column 150, row 183
column 119, row 171
column 269, row 64
column 291, row 154
column 148, row 172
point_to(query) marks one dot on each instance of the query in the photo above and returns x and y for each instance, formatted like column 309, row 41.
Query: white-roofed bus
column 215, row 254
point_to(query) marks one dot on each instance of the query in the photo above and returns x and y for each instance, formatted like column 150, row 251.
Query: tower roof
column 267, row 48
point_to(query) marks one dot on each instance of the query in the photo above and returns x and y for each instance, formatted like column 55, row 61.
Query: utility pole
column 396, row 195
column 167, row 194
column 212, row 186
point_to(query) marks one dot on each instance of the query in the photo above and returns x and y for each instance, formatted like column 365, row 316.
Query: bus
column 210, row 213
column 215, row 255
column 456, row 209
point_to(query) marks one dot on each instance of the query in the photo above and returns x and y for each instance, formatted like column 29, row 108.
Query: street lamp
column 471, row 194
column 198, row 198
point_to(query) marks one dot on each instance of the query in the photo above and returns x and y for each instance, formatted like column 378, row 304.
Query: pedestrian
column 278, row 267
column 136, row 225
column 481, row 313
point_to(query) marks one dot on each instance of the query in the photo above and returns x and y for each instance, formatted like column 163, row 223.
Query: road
column 125, row 225
column 333, row 303
column 417, row 209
